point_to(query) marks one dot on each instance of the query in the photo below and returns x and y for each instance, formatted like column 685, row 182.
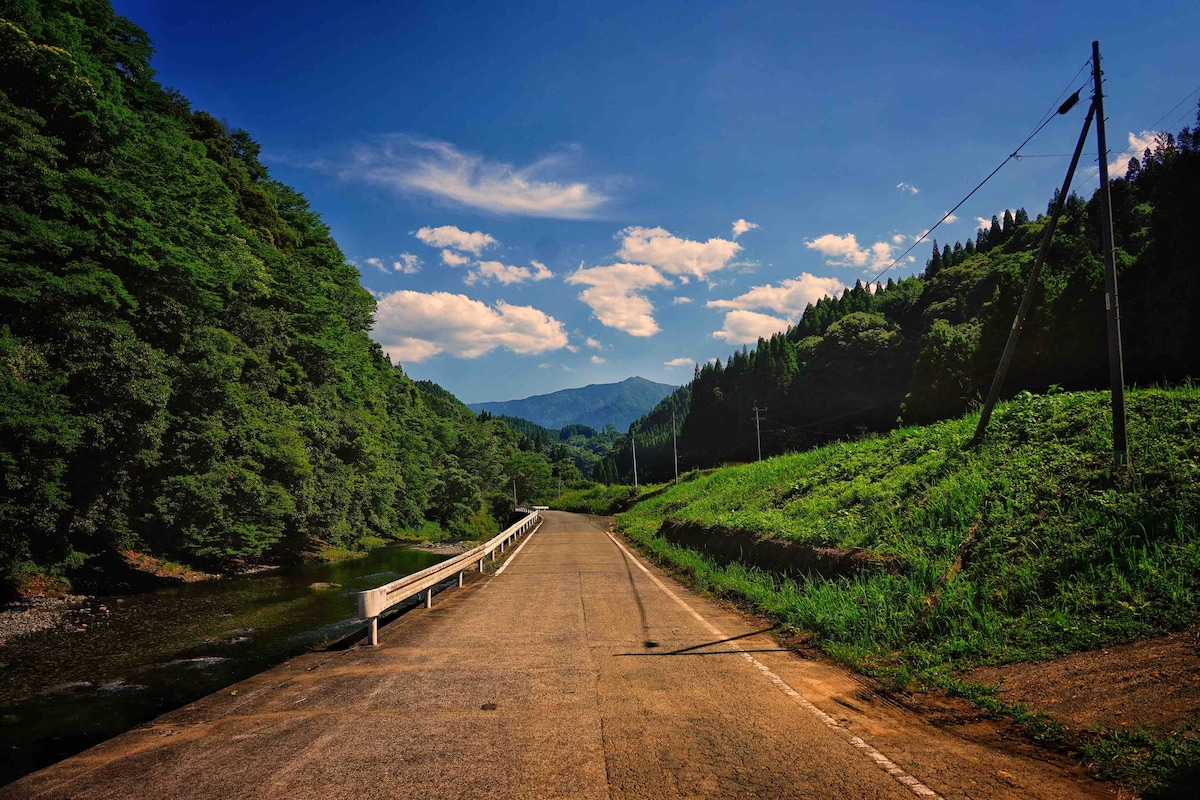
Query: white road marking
column 508, row 560
column 882, row 761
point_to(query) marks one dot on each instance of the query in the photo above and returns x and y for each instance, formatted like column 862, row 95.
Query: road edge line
column 520, row 547
column 857, row 742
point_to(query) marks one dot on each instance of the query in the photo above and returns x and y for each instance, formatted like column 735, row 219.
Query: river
column 121, row 661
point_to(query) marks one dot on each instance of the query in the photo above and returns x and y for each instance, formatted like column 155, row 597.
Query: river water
column 121, row 661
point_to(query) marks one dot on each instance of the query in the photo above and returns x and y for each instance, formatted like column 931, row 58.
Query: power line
column 1136, row 151
column 1055, row 110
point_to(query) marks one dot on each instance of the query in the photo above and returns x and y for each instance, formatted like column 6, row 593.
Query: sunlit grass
column 1058, row 552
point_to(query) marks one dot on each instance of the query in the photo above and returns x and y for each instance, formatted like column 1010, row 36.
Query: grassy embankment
column 1023, row 549
column 603, row 500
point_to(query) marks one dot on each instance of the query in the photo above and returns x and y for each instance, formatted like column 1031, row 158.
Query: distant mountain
column 596, row 405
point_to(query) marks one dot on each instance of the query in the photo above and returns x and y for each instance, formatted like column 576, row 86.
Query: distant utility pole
column 515, row 503
column 758, row 428
column 1116, row 365
column 634, row 441
column 675, row 446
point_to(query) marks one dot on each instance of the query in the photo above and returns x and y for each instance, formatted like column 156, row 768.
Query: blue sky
column 550, row 195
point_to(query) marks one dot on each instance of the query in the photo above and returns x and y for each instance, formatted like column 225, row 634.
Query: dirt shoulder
column 1151, row 684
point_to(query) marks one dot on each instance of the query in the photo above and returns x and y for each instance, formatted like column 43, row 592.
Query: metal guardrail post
column 373, row 602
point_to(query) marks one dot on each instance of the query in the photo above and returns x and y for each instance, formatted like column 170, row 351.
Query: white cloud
column 788, row 298
column 845, row 251
column 544, row 365
column 679, row 362
column 488, row 271
column 439, row 169
column 456, row 239
column 741, row 226
column 453, row 259
column 377, row 263
column 1137, row 146
column 898, row 238
column 679, row 301
column 595, row 344
column 950, row 218
column 673, row 255
column 407, row 265
column 986, row 224
column 907, row 187
column 597, row 360
column 413, row 326
column 613, row 295
column 745, row 327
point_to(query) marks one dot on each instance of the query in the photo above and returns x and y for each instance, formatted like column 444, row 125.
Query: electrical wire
column 1139, row 150
column 1045, row 120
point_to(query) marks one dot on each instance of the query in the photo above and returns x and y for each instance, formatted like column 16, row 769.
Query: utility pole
column 675, row 447
column 758, row 428
column 515, row 503
column 1116, row 366
column 634, row 441
column 1014, row 334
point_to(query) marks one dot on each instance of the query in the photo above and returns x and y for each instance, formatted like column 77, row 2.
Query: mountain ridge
column 594, row 405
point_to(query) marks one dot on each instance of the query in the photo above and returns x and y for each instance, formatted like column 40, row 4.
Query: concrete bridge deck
column 580, row 671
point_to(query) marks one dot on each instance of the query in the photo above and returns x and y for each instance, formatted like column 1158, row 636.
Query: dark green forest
column 924, row 348
column 185, row 359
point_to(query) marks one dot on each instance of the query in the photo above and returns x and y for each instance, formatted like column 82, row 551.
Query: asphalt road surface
column 577, row 671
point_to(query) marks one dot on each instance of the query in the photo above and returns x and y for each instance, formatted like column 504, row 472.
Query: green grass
column 602, row 500
column 1058, row 552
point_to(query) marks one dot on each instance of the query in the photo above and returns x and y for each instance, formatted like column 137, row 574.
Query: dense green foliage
column 596, row 405
column 925, row 348
column 185, row 363
column 1025, row 548
column 653, row 435
column 580, row 445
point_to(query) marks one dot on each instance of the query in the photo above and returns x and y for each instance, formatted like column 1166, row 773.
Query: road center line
column 878, row 758
column 508, row 560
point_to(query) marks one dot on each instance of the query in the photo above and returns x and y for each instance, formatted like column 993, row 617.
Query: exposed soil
column 444, row 548
column 1153, row 684
column 771, row 555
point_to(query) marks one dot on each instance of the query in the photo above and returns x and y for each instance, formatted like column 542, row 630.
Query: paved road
column 578, row 671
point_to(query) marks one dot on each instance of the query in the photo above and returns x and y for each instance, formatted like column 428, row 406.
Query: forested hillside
column 924, row 348
column 185, row 359
column 595, row 405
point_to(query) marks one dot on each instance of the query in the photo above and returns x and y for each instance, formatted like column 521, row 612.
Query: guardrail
column 374, row 602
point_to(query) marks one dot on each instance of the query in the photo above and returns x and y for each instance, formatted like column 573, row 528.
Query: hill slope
column 596, row 405
column 1023, row 549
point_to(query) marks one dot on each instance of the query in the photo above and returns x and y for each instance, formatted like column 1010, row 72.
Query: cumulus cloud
column 845, row 251
column 597, row 360
column 456, row 239
column 681, row 300
column 744, row 327
column 788, row 298
column 414, row 326
column 613, row 294
column 679, row 362
column 488, row 271
column 408, row 264
column 673, row 255
column 453, row 259
column 440, row 170
column 951, row 218
column 1138, row 142
column 986, row 224
column 907, row 187
column 595, row 344
column 377, row 263
column 741, row 226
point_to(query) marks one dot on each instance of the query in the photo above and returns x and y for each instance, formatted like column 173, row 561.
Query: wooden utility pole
column 634, row 442
column 1014, row 334
column 758, row 429
column 1116, row 366
column 675, row 446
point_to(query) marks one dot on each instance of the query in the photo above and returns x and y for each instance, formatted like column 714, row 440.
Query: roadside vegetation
column 1026, row 548
column 603, row 500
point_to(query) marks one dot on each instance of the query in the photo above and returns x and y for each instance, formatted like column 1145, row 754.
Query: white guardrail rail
column 373, row 602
